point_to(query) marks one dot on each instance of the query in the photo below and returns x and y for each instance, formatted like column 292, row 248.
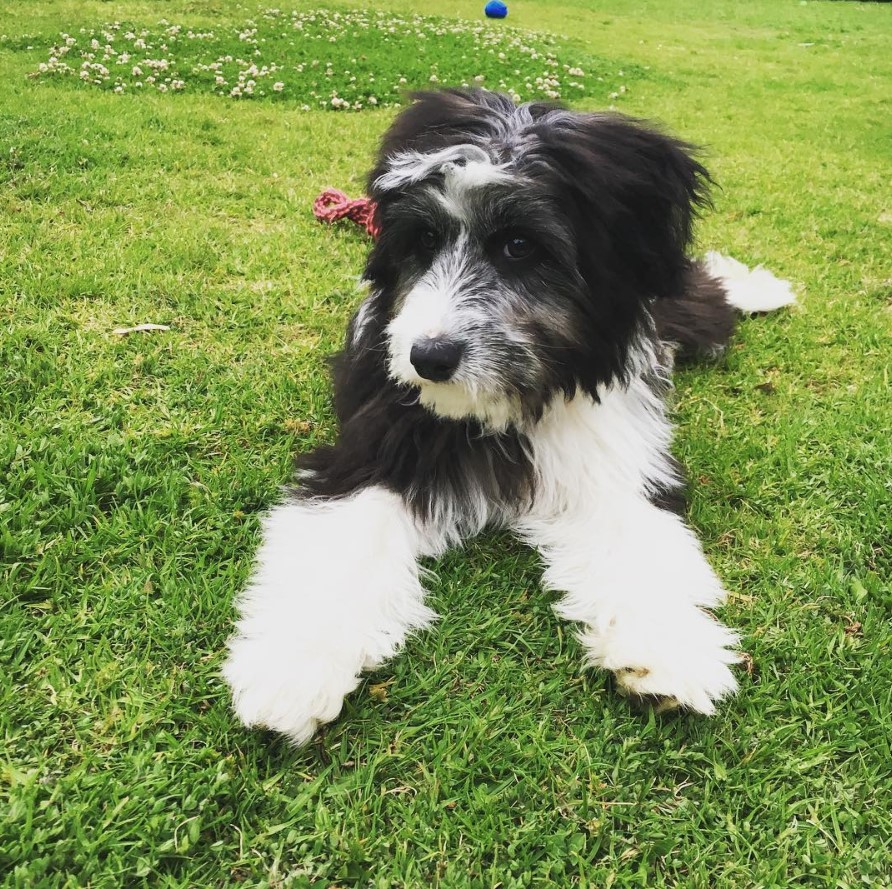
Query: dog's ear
column 635, row 192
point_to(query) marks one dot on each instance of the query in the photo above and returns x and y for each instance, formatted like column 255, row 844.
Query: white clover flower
column 373, row 100
column 137, row 71
column 278, row 86
column 434, row 78
column 576, row 72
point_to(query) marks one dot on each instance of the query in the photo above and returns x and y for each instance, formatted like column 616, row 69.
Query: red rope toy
column 333, row 205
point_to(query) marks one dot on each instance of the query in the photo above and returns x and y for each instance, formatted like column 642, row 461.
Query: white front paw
column 287, row 684
column 684, row 658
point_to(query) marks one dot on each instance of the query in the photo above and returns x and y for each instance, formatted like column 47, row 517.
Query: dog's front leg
column 635, row 576
column 335, row 590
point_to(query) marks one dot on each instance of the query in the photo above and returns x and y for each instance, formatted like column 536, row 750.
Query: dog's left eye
column 515, row 247
column 428, row 239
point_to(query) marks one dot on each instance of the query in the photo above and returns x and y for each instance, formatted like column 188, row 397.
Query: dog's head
column 520, row 247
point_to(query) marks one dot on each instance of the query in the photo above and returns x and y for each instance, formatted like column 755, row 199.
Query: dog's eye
column 517, row 247
column 429, row 239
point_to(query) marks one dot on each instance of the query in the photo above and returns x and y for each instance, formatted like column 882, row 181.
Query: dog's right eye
column 429, row 239
column 518, row 247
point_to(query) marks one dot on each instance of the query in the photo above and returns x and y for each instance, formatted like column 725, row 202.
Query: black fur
column 699, row 321
column 617, row 200
column 387, row 438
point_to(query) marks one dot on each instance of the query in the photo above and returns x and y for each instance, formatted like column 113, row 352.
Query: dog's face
column 520, row 248
column 485, row 291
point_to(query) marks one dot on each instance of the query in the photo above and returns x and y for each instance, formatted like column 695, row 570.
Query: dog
column 527, row 295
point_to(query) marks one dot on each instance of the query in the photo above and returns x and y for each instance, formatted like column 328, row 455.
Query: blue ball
column 495, row 9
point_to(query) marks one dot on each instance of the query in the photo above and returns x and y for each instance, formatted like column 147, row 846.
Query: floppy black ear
column 634, row 187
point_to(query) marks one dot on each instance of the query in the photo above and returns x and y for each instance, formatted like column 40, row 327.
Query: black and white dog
column 508, row 368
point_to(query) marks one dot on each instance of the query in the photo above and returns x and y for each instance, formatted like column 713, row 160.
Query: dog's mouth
column 455, row 400
column 432, row 391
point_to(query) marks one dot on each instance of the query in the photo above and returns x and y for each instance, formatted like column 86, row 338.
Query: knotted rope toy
column 332, row 205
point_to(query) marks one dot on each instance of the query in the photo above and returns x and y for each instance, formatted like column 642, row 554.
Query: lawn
column 133, row 469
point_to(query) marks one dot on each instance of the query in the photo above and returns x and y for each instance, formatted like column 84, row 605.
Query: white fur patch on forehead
column 467, row 166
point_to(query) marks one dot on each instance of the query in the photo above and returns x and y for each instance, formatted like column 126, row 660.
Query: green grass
column 133, row 470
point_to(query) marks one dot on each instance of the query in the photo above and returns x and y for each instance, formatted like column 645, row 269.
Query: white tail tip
column 749, row 290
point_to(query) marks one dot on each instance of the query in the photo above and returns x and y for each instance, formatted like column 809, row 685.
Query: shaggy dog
column 508, row 368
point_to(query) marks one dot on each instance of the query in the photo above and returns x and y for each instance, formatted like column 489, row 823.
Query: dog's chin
column 495, row 411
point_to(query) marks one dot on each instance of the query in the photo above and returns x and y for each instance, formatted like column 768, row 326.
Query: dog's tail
column 699, row 322
column 749, row 290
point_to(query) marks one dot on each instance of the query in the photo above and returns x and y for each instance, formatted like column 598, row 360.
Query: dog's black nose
column 436, row 360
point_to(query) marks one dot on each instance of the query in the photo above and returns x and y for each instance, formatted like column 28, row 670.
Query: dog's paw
column 286, row 686
column 683, row 660
column 696, row 687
